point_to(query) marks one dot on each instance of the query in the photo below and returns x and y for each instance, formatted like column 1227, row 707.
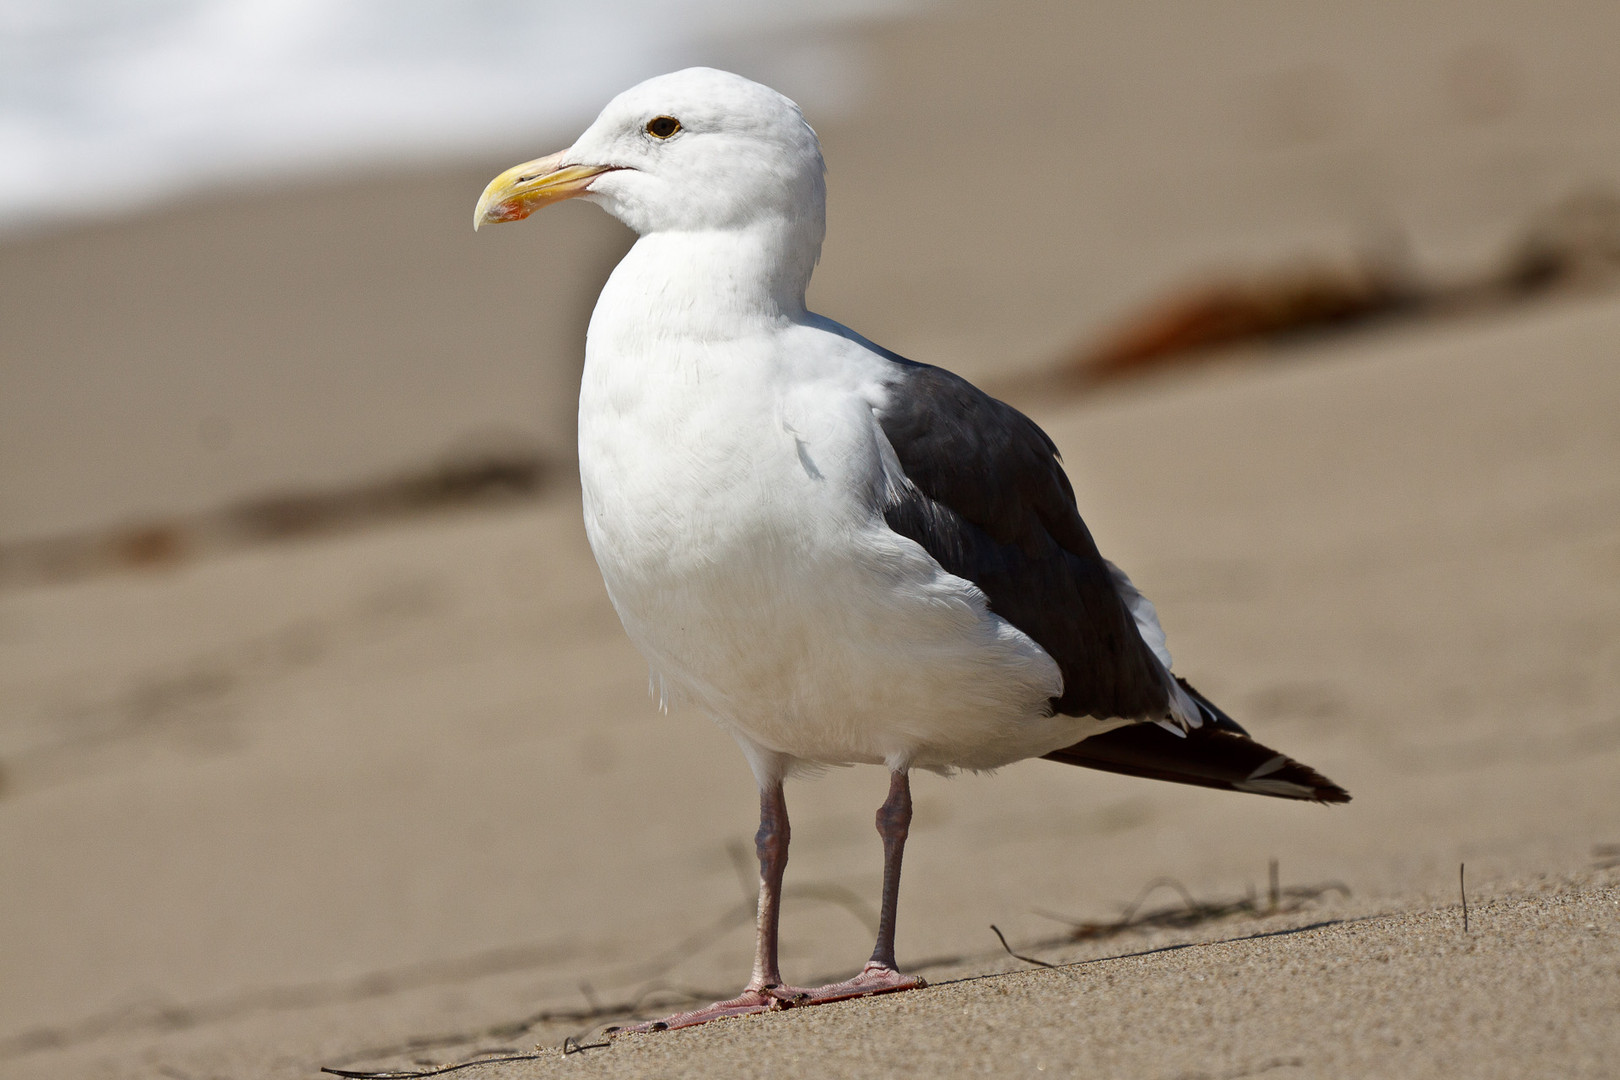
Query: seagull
column 842, row 556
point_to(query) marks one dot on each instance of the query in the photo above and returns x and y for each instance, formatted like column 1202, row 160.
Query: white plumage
column 733, row 494
column 841, row 556
column 734, row 471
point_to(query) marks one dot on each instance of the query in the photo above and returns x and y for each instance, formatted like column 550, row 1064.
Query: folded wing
column 983, row 491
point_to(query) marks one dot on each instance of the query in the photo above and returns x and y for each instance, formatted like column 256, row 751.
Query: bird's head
column 694, row 150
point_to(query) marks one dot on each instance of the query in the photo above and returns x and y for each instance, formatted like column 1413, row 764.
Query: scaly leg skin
column 765, row 991
column 881, row 974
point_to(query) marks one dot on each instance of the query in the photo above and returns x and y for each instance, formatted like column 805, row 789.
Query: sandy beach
column 396, row 797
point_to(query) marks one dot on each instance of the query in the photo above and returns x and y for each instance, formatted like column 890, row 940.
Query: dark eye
column 662, row 127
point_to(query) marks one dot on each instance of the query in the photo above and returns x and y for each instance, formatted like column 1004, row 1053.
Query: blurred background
column 306, row 674
column 233, row 247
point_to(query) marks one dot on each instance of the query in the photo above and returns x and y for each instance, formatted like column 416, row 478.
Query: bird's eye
column 662, row 127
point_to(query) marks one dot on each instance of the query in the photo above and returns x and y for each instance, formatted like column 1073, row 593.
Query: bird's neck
column 710, row 284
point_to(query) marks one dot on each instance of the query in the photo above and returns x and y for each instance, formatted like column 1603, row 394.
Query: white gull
column 842, row 556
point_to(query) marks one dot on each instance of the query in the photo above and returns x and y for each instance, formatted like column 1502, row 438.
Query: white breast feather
column 734, row 503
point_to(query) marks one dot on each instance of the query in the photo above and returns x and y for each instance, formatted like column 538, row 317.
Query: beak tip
column 523, row 189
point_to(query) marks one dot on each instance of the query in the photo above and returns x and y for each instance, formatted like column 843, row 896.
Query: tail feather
column 1219, row 754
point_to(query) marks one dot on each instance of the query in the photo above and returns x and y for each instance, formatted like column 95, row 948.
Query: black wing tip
column 1281, row 776
column 1322, row 790
column 1210, row 756
column 1300, row 776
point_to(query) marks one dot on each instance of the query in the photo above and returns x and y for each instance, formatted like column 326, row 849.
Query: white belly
column 738, row 537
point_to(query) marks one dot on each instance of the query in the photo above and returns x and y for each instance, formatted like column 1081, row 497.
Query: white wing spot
column 1269, row 767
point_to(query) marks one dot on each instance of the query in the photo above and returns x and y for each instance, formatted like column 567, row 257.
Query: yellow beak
column 523, row 189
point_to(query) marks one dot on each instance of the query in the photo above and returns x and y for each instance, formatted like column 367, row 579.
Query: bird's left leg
column 765, row 991
column 881, row 974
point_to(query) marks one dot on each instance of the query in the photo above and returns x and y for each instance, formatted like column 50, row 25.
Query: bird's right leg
column 765, row 991
column 771, row 845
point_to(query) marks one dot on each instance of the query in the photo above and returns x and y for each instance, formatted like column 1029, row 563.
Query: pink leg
column 881, row 974
column 771, row 845
column 765, row 991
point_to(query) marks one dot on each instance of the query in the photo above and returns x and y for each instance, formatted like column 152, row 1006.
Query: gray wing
column 986, row 496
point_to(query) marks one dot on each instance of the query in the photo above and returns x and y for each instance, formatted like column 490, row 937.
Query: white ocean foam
column 107, row 104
